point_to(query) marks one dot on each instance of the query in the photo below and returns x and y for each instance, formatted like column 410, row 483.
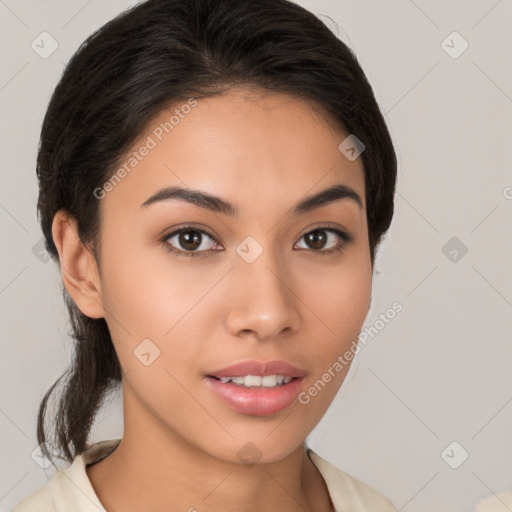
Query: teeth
column 252, row 380
column 268, row 381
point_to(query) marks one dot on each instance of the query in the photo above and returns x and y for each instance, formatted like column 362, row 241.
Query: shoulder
column 39, row 501
column 60, row 492
column 348, row 493
column 495, row 502
column 70, row 488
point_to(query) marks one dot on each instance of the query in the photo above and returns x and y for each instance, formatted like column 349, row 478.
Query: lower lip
column 257, row 400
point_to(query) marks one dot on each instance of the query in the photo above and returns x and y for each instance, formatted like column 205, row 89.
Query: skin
column 180, row 442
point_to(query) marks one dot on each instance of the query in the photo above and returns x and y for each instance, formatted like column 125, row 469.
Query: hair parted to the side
column 153, row 55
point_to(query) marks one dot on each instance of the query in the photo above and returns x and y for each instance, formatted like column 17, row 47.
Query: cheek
column 339, row 294
column 147, row 296
column 140, row 287
column 340, row 303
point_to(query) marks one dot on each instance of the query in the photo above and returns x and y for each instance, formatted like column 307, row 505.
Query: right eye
column 190, row 239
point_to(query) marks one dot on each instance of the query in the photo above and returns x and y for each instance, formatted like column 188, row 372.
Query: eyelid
column 327, row 226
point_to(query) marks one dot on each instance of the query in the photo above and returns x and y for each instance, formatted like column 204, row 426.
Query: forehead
column 242, row 145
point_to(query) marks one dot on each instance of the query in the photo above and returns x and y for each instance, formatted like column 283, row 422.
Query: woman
column 215, row 179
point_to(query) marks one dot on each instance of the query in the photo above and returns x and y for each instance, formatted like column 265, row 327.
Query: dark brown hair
column 123, row 75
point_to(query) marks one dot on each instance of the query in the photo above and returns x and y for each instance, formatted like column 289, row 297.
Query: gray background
column 439, row 372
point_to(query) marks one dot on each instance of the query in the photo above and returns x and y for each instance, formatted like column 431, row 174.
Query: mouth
column 257, row 388
column 250, row 381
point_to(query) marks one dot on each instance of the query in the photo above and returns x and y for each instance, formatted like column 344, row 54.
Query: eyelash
column 346, row 239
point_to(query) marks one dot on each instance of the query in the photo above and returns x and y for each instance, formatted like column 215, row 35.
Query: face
column 268, row 281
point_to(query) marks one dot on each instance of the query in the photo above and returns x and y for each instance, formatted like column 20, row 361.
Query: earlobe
column 78, row 266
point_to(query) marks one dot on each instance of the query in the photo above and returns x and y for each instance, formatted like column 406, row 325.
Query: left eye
column 318, row 237
column 190, row 239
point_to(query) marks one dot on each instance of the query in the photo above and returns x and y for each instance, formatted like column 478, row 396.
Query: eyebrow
column 216, row 204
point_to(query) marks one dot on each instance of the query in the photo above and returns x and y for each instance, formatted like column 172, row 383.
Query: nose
column 262, row 302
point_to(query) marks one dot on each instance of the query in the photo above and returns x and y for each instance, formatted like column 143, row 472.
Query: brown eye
column 317, row 240
column 189, row 241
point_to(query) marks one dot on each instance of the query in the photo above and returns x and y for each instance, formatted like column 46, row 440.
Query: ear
column 78, row 266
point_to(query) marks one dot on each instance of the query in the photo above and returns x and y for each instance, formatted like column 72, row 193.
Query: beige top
column 70, row 490
column 500, row 502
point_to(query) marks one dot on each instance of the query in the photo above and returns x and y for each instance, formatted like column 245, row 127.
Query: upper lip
column 261, row 368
